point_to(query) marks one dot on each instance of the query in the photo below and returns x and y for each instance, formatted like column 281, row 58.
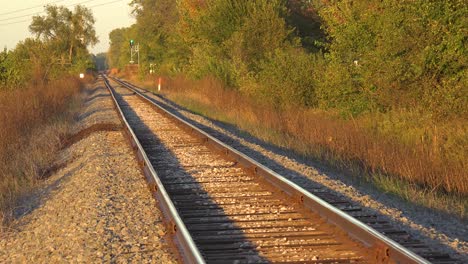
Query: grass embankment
column 32, row 119
column 402, row 153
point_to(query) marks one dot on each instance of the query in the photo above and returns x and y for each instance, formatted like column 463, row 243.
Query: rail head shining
column 386, row 248
column 189, row 250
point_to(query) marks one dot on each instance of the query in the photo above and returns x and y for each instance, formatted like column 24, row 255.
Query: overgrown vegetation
column 379, row 85
column 33, row 120
column 350, row 145
column 37, row 94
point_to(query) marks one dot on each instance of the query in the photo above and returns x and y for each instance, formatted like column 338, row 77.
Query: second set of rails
column 222, row 206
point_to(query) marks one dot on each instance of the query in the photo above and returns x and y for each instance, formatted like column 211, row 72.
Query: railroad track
column 222, row 206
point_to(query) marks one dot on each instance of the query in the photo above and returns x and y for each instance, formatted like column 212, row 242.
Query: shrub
column 285, row 79
column 24, row 112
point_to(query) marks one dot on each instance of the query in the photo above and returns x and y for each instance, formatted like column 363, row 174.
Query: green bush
column 286, row 78
column 378, row 56
column 387, row 55
column 229, row 39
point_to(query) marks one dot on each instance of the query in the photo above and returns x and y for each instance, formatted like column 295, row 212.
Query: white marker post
column 159, row 84
column 81, row 75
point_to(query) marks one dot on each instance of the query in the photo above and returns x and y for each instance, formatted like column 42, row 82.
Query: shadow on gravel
column 90, row 113
column 204, row 218
column 92, row 95
column 96, row 87
column 69, row 140
column 298, row 178
column 35, row 200
column 104, row 94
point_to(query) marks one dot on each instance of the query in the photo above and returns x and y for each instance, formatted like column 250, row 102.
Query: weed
column 32, row 121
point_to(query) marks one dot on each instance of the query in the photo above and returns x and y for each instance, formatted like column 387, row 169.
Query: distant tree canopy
column 100, row 60
column 62, row 38
column 353, row 56
column 119, row 51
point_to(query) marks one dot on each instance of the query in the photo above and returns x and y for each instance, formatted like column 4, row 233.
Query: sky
column 16, row 16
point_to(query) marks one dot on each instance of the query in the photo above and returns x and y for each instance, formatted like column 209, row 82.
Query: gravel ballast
column 262, row 226
column 95, row 209
column 440, row 231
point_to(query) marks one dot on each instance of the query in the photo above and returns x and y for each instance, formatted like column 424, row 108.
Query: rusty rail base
column 187, row 248
column 386, row 250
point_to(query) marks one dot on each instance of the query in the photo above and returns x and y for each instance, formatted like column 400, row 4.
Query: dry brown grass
column 32, row 121
column 402, row 154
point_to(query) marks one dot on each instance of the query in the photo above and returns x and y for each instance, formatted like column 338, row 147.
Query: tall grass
column 402, row 152
column 32, row 120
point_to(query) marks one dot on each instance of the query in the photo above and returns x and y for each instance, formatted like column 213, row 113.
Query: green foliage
column 67, row 32
column 400, row 65
column 156, row 20
column 263, row 31
column 60, row 46
column 408, row 54
column 286, row 78
column 119, row 50
column 9, row 72
column 28, row 61
column 229, row 39
column 352, row 56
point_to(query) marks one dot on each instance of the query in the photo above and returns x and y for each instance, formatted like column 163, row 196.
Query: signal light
column 132, row 42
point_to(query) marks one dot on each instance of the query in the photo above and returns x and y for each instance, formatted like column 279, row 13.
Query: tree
column 119, row 49
column 229, row 39
column 154, row 31
column 100, row 61
column 65, row 30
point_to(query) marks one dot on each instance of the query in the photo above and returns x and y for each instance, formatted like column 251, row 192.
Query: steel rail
column 183, row 240
column 384, row 248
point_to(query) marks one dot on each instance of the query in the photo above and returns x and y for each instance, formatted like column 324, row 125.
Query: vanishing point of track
column 222, row 206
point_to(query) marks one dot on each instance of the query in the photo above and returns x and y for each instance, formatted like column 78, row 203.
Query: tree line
column 59, row 46
column 352, row 56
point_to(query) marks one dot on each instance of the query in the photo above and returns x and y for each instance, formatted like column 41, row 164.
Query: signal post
column 134, row 49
